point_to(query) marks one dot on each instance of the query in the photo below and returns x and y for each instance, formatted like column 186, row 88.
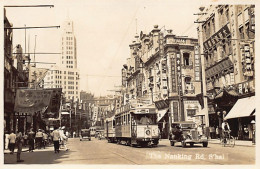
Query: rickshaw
column 186, row 132
column 100, row 134
column 85, row 134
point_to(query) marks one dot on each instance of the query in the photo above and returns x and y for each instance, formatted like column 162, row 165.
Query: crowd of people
column 36, row 140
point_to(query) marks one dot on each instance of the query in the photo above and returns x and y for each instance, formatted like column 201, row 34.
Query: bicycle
column 227, row 139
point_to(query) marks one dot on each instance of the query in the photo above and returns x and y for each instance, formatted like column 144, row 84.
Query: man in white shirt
column 12, row 138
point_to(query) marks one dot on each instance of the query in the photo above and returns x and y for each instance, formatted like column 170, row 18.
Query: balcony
column 190, row 66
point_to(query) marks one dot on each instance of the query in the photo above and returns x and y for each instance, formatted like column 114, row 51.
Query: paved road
column 101, row 152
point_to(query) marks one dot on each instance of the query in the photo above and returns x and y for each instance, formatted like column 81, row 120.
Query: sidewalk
column 38, row 156
column 25, row 149
column 237, row 142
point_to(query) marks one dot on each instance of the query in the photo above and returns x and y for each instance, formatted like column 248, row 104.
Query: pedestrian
column 39, row 139
column 56, row 138
column 31, row 136
column 64, row 139
column 19, row 143
column 217, row 132
column 211, row 132
column 25, row 138
column 74, row 134
column 12, row 138
column 6, row 140
column 45, row 139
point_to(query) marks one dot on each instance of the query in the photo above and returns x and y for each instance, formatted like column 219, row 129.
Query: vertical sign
column 164, row 66
column 179, row 82
column 161, row 47
column 173, row 74
column 178, row 66
column 197, row 64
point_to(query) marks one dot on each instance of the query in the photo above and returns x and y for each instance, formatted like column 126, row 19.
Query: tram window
column 124, row 120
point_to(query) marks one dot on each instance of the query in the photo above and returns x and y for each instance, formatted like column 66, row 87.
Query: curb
column 235, row 144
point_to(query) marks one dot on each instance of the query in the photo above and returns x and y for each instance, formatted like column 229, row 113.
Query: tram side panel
column 110, row 131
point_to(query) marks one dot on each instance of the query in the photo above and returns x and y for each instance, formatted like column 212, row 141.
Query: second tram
column 135, row 126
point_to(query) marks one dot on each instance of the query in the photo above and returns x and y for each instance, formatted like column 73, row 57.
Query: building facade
column 165, row 70
column 227, row 44
column 14, row 77
column 66, row 75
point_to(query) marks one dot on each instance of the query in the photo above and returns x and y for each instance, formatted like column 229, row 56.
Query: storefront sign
column 162, row 104
column 36, row 75
column 218, row 36
column 30, row 101
column 54, row 106
column 224, row 64
column 197, row 64
column 179, row 77
column 244, row 88
column 173, row 75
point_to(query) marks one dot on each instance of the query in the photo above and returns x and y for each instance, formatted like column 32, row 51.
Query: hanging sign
column 30, row 101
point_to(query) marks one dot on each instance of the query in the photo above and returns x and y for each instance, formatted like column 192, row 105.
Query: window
column 241, row 32
column 213, row 25
column 209, row 32
column 247, row 29
column 227, row 15
column 186, row 59
column 191, row 112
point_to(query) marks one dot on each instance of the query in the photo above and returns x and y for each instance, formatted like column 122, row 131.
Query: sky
column 103, row 29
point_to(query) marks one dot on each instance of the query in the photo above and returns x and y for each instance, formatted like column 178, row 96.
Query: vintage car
column 187, row 132
column 85, row 134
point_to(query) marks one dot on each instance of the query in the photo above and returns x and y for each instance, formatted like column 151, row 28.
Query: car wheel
column 183, row 144
column 172, row 143
column 205, row 144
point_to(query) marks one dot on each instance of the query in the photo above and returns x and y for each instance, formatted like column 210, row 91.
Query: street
column 100, row 152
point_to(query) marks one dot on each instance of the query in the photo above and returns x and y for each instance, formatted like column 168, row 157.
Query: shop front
column 163, row 118
column 242, row 118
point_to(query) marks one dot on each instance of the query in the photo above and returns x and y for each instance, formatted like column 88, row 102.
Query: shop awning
column 161, row 113
column 243, row 108
column 65, row 113
column 201, row 113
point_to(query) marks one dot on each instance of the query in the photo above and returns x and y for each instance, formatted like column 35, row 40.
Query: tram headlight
column 147, row 132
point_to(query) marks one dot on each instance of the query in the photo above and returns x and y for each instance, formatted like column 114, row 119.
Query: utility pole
column 204, row 92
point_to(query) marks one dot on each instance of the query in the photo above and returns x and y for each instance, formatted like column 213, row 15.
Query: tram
column 134, row 126
column 110, row 129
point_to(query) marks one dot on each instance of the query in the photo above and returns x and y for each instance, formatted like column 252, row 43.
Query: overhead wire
column 119, row 47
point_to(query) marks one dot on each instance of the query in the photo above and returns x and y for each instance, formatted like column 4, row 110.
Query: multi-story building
column 227, row 46
column 14, row 77
column 165, row 69
column 66, row 75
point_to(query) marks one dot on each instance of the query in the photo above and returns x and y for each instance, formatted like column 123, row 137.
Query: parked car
column 85, row 134
column 186, row 132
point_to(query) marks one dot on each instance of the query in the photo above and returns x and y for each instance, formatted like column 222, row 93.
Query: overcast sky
column 103, row 29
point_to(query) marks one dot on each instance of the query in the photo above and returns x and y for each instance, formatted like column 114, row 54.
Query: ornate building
column 227, row 44
column 164, row 69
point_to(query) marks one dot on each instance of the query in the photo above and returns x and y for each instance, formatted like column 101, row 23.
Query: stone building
column 227, row 40
column 164, row 69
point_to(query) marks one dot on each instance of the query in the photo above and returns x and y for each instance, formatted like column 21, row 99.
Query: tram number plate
column 142, row 111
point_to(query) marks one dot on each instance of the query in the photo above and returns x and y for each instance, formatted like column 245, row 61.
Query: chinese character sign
column 30, row 101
